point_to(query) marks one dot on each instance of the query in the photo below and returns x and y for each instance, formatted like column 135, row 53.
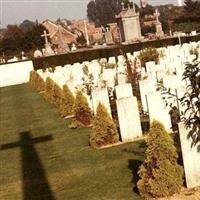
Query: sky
column 16, row 11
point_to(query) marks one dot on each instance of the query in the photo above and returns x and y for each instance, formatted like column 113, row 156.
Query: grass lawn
column 42, row 159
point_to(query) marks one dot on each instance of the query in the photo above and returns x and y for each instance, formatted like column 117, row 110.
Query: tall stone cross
column 45, row 35
column 133, row 2
column 35, row 183
column 157, row 14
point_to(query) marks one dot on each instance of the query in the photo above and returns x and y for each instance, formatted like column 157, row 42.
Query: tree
column 190, row 101
column 81, row 39
column 82, row 111
column 22, row 38
column 102, row 12
column 191, row 5
column 104, row 130
column 67, row 102
column 160, row 175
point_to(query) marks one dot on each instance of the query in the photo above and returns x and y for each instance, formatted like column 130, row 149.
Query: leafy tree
column 26, row 25
column 160, row 175
column 81, row 39
column 148, row 10
column 67, row 102
column 190, row 101
column 102, row 12
column 104, row 130
column 19, row 38
column 191, row 5
column 82, row 111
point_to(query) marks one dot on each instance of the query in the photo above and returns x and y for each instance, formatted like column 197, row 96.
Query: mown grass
column 66, row 167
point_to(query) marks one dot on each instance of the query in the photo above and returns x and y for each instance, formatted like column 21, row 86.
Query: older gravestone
column 191, row 158
column 129, row 118
column 159, row 30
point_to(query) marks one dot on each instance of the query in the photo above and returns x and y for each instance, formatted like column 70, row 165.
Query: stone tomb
column 129, row 118
column 191, row 159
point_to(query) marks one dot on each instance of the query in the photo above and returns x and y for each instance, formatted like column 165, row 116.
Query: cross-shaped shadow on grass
column 35, row 183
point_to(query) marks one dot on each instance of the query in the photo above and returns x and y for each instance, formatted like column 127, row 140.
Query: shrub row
column 104, row 130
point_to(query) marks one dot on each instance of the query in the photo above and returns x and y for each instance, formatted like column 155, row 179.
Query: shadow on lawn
column 35, row 184
column 134, row 165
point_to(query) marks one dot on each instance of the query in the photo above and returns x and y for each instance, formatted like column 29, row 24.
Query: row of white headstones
column 169, row 69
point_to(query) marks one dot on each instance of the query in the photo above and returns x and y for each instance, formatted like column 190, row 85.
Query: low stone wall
column 106, row 52
column 15, row 73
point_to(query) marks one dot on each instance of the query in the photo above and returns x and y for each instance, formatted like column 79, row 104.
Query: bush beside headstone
column 160, row 174
column 104, row 130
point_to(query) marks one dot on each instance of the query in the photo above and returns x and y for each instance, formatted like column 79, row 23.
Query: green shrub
column 194, row 51
column 36, row 81
column 49, row 85
column 104, row 130
column 148, row 54
column 67, row 102
column 32, row 79
column 56, row 95
column 82, row 110
column 160, row 174
column 40, row 83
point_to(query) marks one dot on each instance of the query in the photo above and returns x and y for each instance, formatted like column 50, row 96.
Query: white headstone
column 124, row 90
column 158, row 110
column 129, row 118
column 100, row 95
column 191, row 158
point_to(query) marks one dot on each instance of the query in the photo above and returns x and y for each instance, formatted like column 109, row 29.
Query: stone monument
column 159, row 31
column 129, row 24
column 48, row 50
column 108, row 37
column 62, row 46
column 143, row 3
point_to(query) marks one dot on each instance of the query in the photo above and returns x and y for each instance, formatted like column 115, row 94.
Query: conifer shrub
column 67, row 102
column 32, row 79
column 36, row 81
column 82, row 111
column 56, row 95
column 49, row 86
column 160, row 174
column 40, row 83
column 104, row 130
column 148, row 54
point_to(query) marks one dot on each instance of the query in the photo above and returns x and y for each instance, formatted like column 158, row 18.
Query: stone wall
column 113, row 51
column 15, row 73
